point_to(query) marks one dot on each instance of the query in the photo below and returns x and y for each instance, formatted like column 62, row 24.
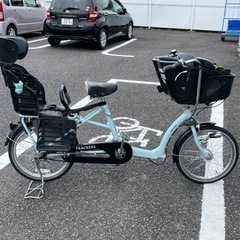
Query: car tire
column 102, row 39
column 54, row 41
column 11, row 30
column 129, row 33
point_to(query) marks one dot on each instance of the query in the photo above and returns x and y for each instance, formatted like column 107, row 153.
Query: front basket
column 182, row 86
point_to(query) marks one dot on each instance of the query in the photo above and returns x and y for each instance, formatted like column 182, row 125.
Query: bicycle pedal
column 124, row 137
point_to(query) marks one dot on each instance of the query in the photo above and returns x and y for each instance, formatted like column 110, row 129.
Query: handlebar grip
column 177, row 65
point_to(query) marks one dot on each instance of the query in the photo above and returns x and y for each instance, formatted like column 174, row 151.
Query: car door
column 120, row 20
column 105, row 9
column 36, row 15
column 20, row 14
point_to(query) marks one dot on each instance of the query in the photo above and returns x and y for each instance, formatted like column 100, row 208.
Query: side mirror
column 38, row 4
column 123, row 10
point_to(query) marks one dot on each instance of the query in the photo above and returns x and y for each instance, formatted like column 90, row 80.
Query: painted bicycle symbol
column 132, row 128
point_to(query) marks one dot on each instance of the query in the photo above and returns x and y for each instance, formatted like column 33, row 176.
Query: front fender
column 180, row 138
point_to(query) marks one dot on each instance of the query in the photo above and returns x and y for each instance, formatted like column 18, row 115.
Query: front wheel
column 24, row 158
column 221, row 147
column 129, row 33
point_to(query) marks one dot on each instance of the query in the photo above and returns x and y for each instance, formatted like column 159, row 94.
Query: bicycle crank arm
column 113, row 153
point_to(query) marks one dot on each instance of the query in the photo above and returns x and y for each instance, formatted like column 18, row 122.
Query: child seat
column 55, row 132
column 25, row 100
column 11, row 49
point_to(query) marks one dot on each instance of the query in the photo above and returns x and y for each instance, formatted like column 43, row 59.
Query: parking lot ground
column 138, row 200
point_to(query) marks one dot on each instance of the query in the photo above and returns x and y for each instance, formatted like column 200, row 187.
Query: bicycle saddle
column 99, row 89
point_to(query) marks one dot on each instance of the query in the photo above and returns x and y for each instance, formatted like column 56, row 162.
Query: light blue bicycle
column 43, row 146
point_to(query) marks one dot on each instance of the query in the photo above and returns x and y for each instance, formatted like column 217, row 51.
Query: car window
column 116, row 6
column 64, row 4
column 6, row 2
column 105, row 4
column 31, row 3
column 17, row 3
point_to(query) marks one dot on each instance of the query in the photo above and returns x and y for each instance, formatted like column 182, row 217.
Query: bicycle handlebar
column 172, row 67
column 181, row 65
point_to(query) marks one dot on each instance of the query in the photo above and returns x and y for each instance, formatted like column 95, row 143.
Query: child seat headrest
column 12, row 48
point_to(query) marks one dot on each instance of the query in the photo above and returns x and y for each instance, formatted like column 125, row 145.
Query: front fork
column 204, row 151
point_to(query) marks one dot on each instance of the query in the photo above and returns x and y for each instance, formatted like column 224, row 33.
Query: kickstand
column 35, row 188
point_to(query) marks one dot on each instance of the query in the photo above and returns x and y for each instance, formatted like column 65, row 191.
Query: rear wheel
column 102, row 39
column 11, row 30
column 222, row 152
column 54, row 41
column 24, row 158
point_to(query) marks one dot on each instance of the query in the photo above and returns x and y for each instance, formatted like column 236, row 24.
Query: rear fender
column 180, row 138
column 13, row 128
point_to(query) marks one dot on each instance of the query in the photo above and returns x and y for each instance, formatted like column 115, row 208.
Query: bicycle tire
column 222, row 147
column 22, row 154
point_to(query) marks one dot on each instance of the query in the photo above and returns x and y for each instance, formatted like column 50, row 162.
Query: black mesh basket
column 159, row 63
column 216, row 88
column 182, row 86
column 56, row 133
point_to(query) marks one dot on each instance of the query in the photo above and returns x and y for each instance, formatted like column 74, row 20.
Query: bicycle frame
column 157, row 153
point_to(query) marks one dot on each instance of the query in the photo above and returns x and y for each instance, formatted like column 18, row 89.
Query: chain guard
column 116, row 155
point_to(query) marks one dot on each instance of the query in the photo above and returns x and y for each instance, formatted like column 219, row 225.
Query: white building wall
column 185, row 14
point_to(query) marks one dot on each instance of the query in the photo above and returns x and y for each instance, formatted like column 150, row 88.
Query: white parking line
column 106, row 52
column 4, row 160
column 43, row 46
column 213, row 209
column 39, row 47
column 37, row 40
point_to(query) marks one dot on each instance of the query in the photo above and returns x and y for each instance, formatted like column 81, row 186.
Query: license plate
column 67, row 21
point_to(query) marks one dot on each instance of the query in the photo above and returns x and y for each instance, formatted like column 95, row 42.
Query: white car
column 21, row 16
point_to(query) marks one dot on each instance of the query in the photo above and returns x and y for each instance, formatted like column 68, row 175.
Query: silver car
column 21, row 16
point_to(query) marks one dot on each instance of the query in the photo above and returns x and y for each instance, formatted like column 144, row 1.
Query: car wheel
column 102, row 39
column 11, row 30
column 54, row 41
column 129, row 33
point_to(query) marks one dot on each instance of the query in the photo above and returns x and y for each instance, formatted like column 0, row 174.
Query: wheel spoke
column 24, row 157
